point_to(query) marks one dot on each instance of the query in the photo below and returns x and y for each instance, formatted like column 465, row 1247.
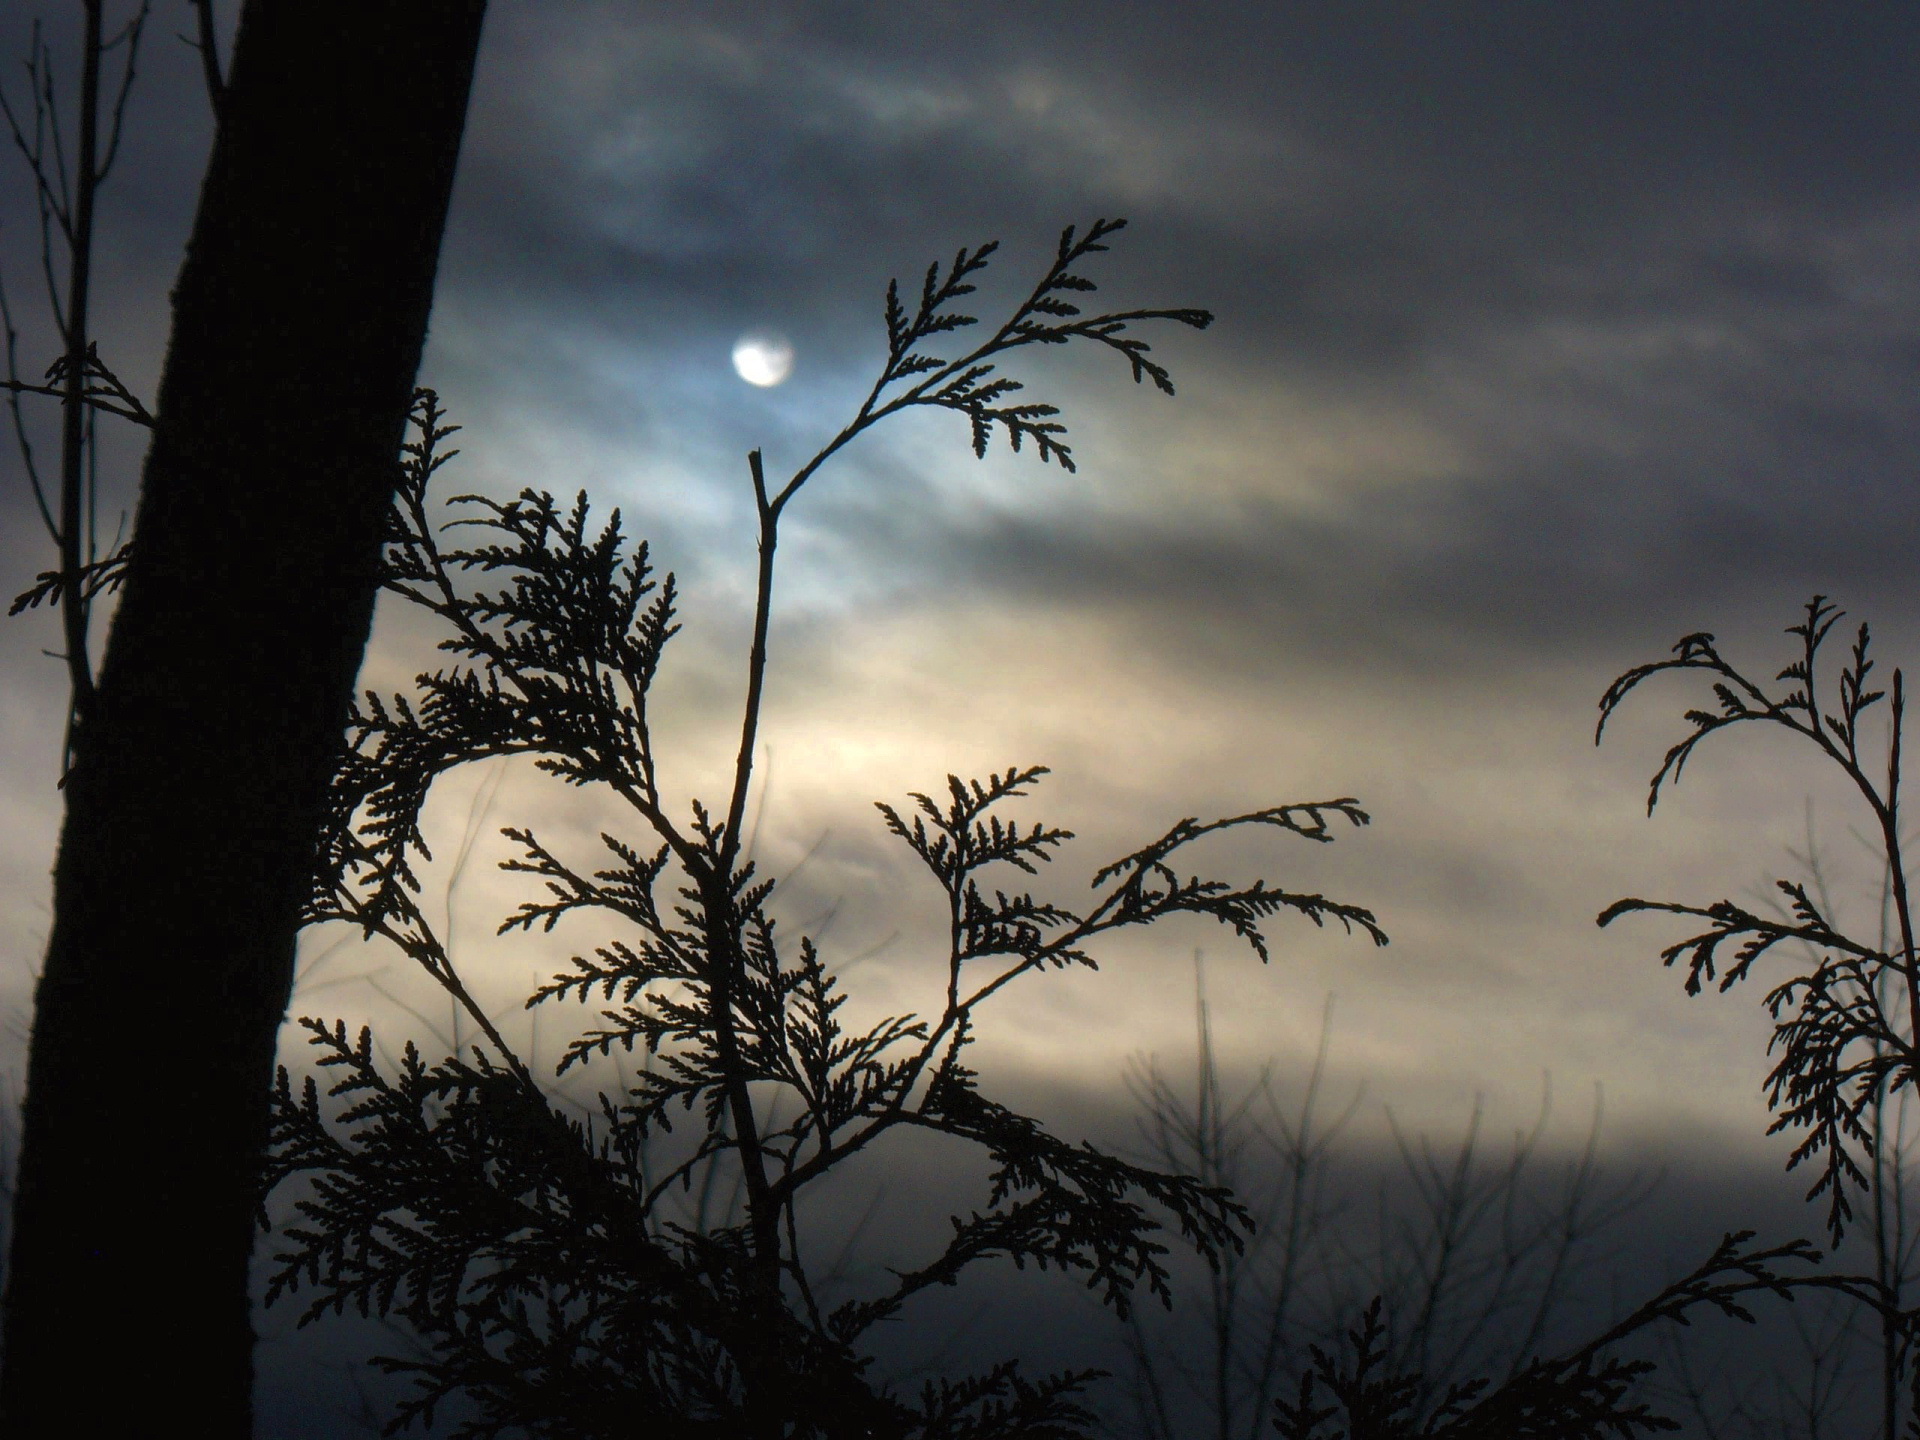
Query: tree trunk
column 200, row 772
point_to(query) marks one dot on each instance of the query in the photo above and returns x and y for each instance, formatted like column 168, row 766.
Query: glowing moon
column 762, row 358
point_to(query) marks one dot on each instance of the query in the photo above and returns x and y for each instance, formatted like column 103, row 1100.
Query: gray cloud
column 1545, row 335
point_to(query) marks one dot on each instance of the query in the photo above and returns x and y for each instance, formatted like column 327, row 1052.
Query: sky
column 1545, row 335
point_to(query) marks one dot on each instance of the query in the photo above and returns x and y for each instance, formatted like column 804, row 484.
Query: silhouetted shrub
column 1846, row 1015
column 537, row 1255
column 557, row 1283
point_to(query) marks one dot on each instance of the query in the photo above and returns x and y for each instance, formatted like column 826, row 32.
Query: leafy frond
column 1844, row 1019
column 102, row 577
column 973, row 384
column 1738, row 698
column 558, row 665
column 1146, row 888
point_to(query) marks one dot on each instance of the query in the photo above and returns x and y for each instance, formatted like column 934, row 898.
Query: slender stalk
column 725, row 950
column 1889, row 1211
column 73, row 400
column 1902, row 903
column 769, row 515
column 1211, row 1161
column 1304, row 1157
column 1883, row 1274
column 209, row 47
column 727, row 956
column 15, row 387
column 1896, row 1339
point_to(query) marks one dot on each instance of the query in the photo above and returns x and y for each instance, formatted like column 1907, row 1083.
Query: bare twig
column 208, row 44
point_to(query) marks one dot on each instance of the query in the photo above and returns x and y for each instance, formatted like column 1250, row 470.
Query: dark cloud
column 1645, row 273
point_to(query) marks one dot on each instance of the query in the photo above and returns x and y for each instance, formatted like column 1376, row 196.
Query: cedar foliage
column 537, row 1255
column 547, row 1263
column 1844, row 1026
column 1846, row 1013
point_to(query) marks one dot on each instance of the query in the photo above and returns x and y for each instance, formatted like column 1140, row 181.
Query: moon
column 762, row 358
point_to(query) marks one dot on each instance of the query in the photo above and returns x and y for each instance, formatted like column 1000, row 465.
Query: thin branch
column 208, row 44
column 129, row 36
column 15, row 387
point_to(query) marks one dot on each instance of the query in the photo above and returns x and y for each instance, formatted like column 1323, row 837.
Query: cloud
column 1546, row 335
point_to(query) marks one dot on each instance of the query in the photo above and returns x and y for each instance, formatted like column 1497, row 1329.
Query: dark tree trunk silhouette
column 202, row 764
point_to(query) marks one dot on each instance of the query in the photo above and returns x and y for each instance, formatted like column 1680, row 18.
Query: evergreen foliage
column 1846, row 1016
column 548, row 1263
column 540, row 1257
column 1844, row 1029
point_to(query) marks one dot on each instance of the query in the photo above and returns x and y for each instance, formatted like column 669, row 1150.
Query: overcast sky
column 1546, row 334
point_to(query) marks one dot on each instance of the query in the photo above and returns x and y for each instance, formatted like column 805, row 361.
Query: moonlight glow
column 762, row 359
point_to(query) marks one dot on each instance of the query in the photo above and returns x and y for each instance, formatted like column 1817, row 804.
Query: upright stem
column 1893, row 1334
column 769, row 513
column 727, row 955
column 726, row 951
column 209, row 47
column 73, row 433
column 725, row 943
column 1888, row 1274
column 1211, row 1162
column 1883, row 1273
column 1897, row 870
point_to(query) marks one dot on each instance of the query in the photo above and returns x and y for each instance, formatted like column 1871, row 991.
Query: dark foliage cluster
column 541, row 1257
column 1046, row 317
column 547, row 1260
column 1845, row 1022
column 1355, row 1392
column 1846, row 1013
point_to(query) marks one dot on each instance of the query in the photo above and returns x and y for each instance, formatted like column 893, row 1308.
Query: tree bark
column 200, row 773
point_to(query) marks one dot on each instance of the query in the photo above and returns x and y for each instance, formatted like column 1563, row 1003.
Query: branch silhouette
column 544, row 1259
